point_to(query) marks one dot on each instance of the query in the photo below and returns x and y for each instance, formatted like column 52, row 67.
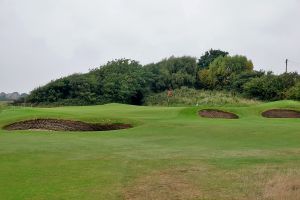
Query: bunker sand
column 212, row 113
column 63, row 125
column 281, row 113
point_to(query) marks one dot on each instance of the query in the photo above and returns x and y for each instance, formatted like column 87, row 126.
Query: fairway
column 170, row 153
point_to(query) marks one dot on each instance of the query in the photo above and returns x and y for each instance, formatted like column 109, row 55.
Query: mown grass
column 171, row 153
column 192, row 97
column 3, row 105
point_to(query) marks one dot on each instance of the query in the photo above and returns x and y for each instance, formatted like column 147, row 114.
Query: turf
column 171, row 153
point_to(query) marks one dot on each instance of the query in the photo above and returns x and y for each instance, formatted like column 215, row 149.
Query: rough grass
column 172, row 153
column 283, row 187
column 164, row 185
column 3, row 105
column 192, row 97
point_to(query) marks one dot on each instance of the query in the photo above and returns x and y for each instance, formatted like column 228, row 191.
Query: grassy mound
column 192, row 97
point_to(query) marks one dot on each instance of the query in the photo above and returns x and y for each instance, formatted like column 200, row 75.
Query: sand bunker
column 210, row 113
column 281, row 113
column 63, row 125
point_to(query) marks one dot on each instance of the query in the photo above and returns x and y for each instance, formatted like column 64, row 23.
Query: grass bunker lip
column 63, row 125
column 218, row 114
column 281, row 113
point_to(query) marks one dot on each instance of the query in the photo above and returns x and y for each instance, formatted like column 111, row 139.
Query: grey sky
column 41, row 40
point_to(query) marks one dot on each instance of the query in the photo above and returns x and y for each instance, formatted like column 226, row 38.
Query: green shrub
column 270, row 86
column 209, row 57
column 294, row 92
column 220, row 71
column 173, row 73
column 126, row 81
column 120, row 81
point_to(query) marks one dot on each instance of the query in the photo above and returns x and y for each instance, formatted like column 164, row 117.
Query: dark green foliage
column 209, row 57
column 126, row 81
column 222, row 70
column 270, row 86
column 173, row 73
column 78, row 89
column 294, row 92
column 237, row 81
column 121, row 81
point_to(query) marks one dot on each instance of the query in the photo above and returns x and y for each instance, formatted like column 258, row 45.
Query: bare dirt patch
column 212, row 113
column 283, row 188
column 63, row 125
column 166, row 185
column 281, row 113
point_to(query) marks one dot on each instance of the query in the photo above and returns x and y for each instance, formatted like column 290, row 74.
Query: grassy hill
column 171, row 153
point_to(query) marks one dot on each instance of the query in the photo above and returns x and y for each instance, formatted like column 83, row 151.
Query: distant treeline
column 127, row 81
column 11, row 96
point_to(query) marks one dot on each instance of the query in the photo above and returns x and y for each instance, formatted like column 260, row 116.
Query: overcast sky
column 41, row 40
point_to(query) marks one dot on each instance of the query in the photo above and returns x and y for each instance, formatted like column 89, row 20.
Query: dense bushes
column 222, row 70
column 121, row 81
column 74, row 89
column 173, row 73
column 271, row 87
column 126, row 81
column 294, row 92
column 237, row 81
column 209, row 57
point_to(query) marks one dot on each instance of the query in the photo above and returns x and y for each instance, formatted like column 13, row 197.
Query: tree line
column 127, row 81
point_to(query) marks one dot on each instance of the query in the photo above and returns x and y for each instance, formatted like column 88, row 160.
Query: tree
column 78, row 87
column 209, row 57
column 220, row 71
column 127, row 81
column 173, row 73
column 121, row 81
column 270, row 86
column 237, row 81
column 294, row 92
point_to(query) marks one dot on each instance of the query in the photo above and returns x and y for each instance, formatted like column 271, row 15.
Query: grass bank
column 192, row 97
